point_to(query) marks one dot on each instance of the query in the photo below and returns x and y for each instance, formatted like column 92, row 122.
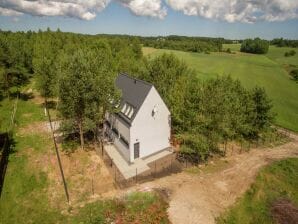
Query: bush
column 290, row 53
column 294, row 74
column 255, row 46
column 229, row 51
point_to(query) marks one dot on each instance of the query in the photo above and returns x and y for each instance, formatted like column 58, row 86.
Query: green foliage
column 192, row 44
column 262, row 109
column 86, row 86
column 252, row 70
column 290, row 53
column 15, row 61
column 205, row 114
column 294, row 73
column 280, row 42
column 168, row 74
column 255, row 46
column 46, row 50
column 275, row 181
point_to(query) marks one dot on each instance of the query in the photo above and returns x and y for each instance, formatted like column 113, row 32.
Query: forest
column 78, row 73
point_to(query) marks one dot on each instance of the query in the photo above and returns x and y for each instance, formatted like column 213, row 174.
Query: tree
column 87, row 87
column 262, row 109
column 46, row 50
column 255, row 46
column 15, row 56
column 172, row 78
column 294, row 74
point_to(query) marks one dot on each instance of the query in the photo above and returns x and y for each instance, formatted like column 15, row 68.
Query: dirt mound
column 284, row 212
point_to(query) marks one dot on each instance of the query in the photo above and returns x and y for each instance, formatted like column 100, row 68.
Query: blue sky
column 116, row 19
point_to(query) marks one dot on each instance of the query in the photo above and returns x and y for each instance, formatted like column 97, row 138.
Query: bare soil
column 200, row 197
column 284, row 212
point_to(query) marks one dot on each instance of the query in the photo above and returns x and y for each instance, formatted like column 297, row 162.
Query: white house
column 143, row 125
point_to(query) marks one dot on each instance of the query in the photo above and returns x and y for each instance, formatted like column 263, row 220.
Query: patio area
column 129, row 170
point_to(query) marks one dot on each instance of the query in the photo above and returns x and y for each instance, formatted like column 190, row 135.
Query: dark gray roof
column 134, row 92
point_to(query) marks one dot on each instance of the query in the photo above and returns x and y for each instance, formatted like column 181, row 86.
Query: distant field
column 267, row 71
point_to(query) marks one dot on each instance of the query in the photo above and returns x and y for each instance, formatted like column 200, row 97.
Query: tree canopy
column 255, row 46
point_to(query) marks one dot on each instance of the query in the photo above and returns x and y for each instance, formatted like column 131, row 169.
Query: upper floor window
column 154, row 111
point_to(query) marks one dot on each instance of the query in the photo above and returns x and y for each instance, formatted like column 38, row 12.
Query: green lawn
column 24, row 197
column 276, row 181
column 267, row 71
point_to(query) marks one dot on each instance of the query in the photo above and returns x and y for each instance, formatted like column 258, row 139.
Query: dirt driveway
column 200, row 197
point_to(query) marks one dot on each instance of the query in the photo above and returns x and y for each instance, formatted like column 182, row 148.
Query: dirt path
column 199, row 198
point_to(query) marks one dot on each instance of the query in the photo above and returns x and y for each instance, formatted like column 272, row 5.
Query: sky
column 232, row 19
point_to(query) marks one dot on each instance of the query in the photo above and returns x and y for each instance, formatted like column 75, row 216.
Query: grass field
column 268, row 71
column 276, row 181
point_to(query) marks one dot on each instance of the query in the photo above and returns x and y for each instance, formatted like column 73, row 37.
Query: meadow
column 268, row 71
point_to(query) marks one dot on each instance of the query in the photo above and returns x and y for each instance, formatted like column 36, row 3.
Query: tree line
column 191, row 44
column 78, row 72
column 280, row 42
column 207, row 113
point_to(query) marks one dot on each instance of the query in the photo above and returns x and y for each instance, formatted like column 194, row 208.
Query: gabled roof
column 134, row 93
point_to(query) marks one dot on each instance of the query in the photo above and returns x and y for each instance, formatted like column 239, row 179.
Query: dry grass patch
column 86, row 176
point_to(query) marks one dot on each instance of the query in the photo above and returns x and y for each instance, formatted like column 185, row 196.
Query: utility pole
column 57, row 152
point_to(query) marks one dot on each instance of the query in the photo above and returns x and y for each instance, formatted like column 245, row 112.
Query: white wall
column 153, row 133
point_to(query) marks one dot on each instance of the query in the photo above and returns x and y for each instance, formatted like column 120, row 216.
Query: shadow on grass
column 7, row 144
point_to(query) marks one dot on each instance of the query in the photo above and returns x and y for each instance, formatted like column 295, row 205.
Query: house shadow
column 22, row 96
column 7, row 147
column 51, row 104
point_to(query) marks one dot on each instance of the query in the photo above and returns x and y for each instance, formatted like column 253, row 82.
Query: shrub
column 290, row 53
column 255, row 46
column 294, row 74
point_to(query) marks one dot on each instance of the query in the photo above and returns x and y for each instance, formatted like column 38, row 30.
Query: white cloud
column 152, row 8
column 82, row 9
column 248, row 11
column 238, row 10
column 9, row 12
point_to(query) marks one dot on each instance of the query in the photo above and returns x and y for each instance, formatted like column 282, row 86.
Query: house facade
column 143, row 125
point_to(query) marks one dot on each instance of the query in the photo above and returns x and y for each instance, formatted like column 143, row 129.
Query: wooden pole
column 57, row 153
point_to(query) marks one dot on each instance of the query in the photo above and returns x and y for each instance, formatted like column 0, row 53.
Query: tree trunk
column 102, row 131
column 81, row 134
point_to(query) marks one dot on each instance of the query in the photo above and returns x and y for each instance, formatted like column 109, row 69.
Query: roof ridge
column 135, row 79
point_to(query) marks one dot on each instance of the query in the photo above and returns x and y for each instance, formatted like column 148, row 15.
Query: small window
column 123, row 108
column 127, row 109
column 130, row 113
column 154, row 111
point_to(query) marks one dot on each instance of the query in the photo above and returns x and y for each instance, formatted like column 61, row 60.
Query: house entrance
column 137, row 150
